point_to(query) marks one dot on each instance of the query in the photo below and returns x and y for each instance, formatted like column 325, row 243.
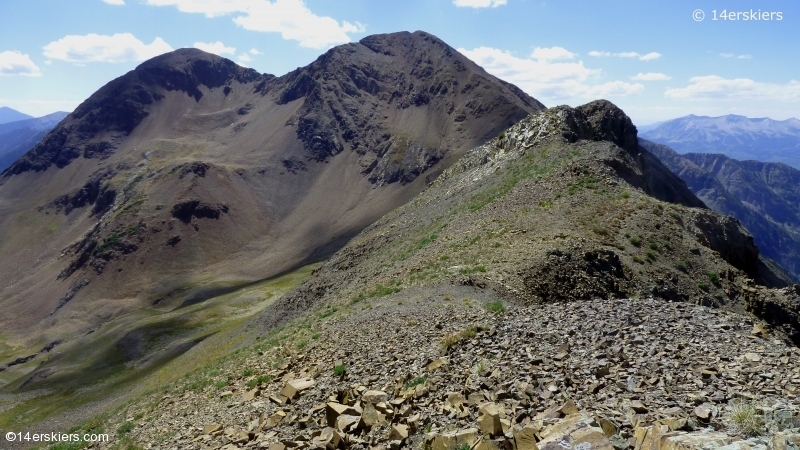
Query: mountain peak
column 11, row 115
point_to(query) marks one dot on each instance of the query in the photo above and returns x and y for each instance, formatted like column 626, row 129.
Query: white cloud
column 217, row 48
column 16, row 63
column 291, row 18
column 731, row 55
column 115, row 2
column 651, row 76
column 647, row 57
column 254, row 51
column 479, row 3
column 123, row 47
column 548, row 80
column 244, row 58
column 650, row 56
column 713, row 87
column 552, row 53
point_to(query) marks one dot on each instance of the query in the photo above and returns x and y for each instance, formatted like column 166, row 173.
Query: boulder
column 295, row 387
column 375, row 396
column 578, row 431
column 489, row 420
column 455, row 439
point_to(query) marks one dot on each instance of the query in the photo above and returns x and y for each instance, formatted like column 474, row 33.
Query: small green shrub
column 745, row 418
column 681, row 265
column 260, row 380
column 703, row 285
column 651, row 255
column 467, row 270
column 638, row 260
column 124, row 429
column 496, row 307
column 315, row 336
column 415, row 382
column 302, row 344
column 713, row 277
column 339, row 370
column 502, row 135
column 636, row 241
column 602, row 231
column 220, row 384
column 653, row 246
column 248, row 373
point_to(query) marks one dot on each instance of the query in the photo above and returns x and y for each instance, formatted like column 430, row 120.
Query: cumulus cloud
column 254, row 51
column 479, row 3
column 217, row 48
column 291, row 18
column 16, row 63
column 115, row 2
column 646, row 57
column 547, row 80
column 122, row 47
column 715, row 88
column 243, row 58
column 552, row 53
column 732, row 55
column 651, row 76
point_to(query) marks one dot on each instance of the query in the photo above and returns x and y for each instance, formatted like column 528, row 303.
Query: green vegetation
column 132, row 206
column 302, row 344
column 496, row 307
column 112, row 240
column 602, row 231
column 260, row 380
column 713, row 277
column 124, row 428
column 681, row 265
column 745, row 418
column 583, row 182
column 339, row 370
column 651, row 256
column 463, row 447
column 525, row 169
column 703, row 285
column 415, row 382
column 636, row 241
column 381, row 290
column 175, row 169
column 467, row 270
column 450, row 340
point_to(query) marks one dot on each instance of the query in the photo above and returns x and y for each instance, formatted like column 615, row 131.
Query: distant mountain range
column 738, row 137
column 11, row 115
column 765, row 197
column 19, row 136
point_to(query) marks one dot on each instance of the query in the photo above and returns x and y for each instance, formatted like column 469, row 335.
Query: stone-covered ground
column 413, row 371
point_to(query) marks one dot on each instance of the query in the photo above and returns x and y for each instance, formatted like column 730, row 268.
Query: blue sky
column 649, row 57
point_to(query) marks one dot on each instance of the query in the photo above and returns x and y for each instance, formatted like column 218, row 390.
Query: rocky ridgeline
column 447, row 374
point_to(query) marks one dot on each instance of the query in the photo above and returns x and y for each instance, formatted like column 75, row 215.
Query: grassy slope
column 99, row 366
